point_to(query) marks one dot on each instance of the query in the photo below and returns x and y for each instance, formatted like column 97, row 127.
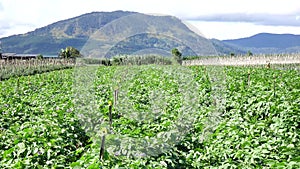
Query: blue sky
column 221, row 19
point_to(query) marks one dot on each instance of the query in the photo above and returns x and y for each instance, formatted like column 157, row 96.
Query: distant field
column 245, row 60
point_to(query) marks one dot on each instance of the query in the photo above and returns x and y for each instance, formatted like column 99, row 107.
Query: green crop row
column 38, row 126
column 17, row 68
column 260, row 126
column 151, row 117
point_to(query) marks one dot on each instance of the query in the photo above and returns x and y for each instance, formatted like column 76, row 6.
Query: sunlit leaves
column 39, row 127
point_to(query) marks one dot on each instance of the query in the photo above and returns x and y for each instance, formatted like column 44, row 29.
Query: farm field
column 151, row 117
column 255, row 60
column 15, row 67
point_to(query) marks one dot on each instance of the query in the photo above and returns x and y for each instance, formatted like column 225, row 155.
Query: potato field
column 152, row 116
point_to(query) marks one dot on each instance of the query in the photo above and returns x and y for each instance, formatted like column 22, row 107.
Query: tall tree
column 177, row 55
column 69, row 52
column 249, row 53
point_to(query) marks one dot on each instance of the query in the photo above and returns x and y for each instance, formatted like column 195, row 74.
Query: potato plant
column 38, row 127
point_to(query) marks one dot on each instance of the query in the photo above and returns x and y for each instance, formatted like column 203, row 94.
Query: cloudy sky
column 221, row 19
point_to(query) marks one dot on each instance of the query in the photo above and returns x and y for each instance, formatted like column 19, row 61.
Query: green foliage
column 141, row 60
column 69, row 52
column 40, row 56
column 38, row 126
column 258, row 127
column 96, row 61
column 16, row 68
column 176, row 55
column 249, row 53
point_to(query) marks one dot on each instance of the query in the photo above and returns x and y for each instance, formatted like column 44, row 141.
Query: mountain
column 105, row 34
column 50, row 39
column 268, row 43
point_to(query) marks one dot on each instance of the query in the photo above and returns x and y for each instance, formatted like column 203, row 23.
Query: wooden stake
column 116, row 93
column 110, row 113
column 274, row 89
column 18, row 85
column 249, row 78
column 102, row 148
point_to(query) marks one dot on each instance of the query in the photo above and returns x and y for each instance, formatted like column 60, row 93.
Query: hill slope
column 224, row 48
column 71, row 32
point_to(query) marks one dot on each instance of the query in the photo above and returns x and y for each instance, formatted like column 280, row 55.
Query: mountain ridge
column 268, row 43
column 105, row 29
column 106, row 34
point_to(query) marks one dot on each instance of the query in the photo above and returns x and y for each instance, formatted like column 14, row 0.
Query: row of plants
column 151, row 117
column 243, row 60
column 153, row 108
column 141, row 60
column 16, row 68
column 269, row 56
column 252, row 124
column 260, row 125
column 38, row 125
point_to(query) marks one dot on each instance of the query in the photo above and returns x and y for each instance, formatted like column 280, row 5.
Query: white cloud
column 233, row 30
column 259, row 19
